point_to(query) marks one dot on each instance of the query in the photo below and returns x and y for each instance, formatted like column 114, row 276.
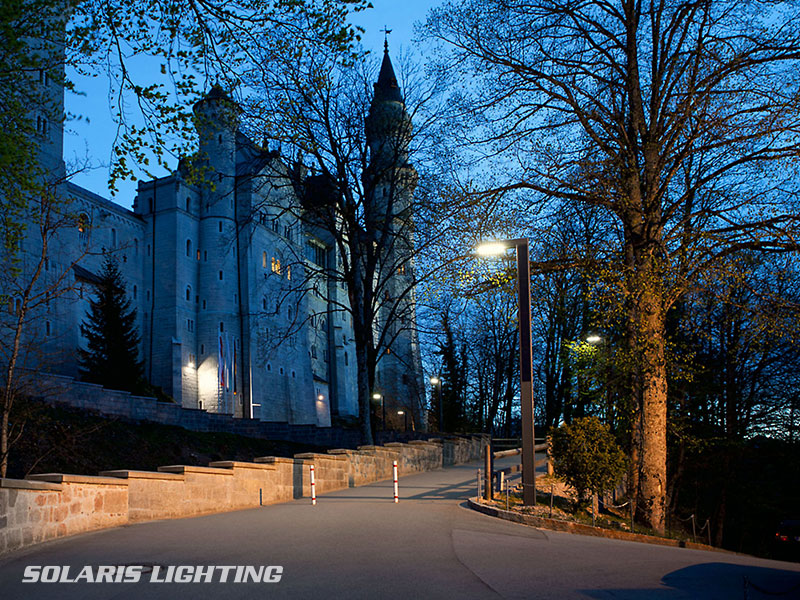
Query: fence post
column 549, row 457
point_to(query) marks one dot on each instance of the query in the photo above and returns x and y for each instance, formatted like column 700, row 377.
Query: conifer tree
column 111, row 357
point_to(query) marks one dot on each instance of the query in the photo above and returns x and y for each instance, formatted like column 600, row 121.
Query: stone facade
column 54, row 505
column 217, row 267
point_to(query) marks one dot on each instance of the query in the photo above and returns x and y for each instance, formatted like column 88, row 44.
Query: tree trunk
column 653, row 472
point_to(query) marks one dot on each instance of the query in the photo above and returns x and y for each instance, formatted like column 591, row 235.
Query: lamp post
column 525, row 357
column 437, row 383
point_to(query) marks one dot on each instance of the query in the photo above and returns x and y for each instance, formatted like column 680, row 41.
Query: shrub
column 587, row 456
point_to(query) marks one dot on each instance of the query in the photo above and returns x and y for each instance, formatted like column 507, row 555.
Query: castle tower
column 218, row 324
column 390, row 182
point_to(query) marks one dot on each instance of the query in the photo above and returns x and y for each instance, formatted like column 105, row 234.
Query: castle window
column 289, row 272
column 47, row 328
column 148, row 295
column 202, row 349
column 315, row 252
column 198, row 254
column 219, row 226
column 275, row 225
column 219, row 138
column 148, row 249
column 197, row 299
column 134, row 292
column 287, row 231
column 322, row 324
column 205, row 255
column 264, row 260
column 136, row 247
column 269, row 367
column 346, row 360
column 187, row 204
column 204, row 304
column 222, row 327
column 313, row 351
column 113, row 238
column 281, row 370
column 189, row 248
column 220, row 275
column 264, row 303
column 190, row 324
column 188, row 293
column 294, row 374
column 385, row 192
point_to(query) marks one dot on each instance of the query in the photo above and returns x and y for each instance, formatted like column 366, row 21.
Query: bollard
column 488, row 489
column 501, row 479
column 478, row 497
column 261, row 496
column 313, row 488
column 552, row 489
column 394, row 472
column 549, row 457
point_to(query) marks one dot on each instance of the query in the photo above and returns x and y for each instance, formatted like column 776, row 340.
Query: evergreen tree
column 112, row 355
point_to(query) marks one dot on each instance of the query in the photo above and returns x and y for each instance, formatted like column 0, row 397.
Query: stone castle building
column 231, row 316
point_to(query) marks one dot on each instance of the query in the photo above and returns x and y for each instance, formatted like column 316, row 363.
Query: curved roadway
column 357, row 543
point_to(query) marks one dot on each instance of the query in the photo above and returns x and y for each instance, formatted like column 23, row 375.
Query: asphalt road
column 357, row 543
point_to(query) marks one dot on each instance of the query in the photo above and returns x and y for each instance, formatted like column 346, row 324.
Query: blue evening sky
column 91, row 137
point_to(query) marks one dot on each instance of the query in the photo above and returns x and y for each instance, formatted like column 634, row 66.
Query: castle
column 236, row 308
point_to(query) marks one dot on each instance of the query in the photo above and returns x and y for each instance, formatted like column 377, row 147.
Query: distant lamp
column 594, row 339
column 400, row 412
column 376, row 396
column 435, row 381
column 320, row 397
column 491, row 248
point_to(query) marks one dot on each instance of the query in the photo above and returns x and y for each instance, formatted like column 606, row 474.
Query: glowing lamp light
column 320, row 398
column 400, row 412
column 376, row 396
column 594, row 339
column 435, row 381
column 491, row 248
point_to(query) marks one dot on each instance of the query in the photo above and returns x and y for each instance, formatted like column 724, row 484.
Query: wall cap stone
column 194, row 469
column 238, row 464
column 307, row 456
column 67, row 478
column 131, row 474
column 274, row 459
column 27, row 484
column 378, row 449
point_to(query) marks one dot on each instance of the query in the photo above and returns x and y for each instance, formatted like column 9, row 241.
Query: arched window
column 189, row 248
column 134, row 292
column 264, row 303
column 264, row 260
column 346, row 360
column 188, row 293
column 187, row 205
column 313, row 351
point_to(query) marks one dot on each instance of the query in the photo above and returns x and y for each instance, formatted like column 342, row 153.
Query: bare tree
column 676, row 119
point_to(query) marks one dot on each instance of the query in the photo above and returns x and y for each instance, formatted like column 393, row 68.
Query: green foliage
column 112, row 355
column 587, row 457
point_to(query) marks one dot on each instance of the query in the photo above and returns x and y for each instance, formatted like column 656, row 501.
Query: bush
column 587, row 457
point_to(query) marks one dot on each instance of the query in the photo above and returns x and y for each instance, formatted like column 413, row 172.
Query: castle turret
column 390, row 182
column 218, row 330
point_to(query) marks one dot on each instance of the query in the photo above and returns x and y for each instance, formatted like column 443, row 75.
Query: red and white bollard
column 313, row 488
column 394, row 471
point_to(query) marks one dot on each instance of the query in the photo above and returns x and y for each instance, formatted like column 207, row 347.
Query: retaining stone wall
column 54, row 505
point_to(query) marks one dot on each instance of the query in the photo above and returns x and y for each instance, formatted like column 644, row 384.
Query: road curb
column 581, row 529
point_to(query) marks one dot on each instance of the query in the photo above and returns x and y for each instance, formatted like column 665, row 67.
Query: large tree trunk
column 653, row 459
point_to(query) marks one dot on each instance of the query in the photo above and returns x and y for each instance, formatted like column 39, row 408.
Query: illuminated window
column 288, row 271
column 263, row 260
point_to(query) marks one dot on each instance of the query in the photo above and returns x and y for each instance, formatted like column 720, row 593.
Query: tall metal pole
column 526, row 371
column 441, row 408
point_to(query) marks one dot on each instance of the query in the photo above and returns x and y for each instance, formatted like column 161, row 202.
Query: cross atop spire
column 386, row 31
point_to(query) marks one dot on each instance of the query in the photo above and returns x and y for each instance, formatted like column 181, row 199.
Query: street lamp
column 383, row 410
column 437, row 383
column 405, row 419
column 593, row 338
column 525, row 356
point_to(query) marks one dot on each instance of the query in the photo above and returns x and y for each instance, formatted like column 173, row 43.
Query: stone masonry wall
column 53, row 505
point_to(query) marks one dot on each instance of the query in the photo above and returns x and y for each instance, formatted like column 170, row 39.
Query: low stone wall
column 52, row 505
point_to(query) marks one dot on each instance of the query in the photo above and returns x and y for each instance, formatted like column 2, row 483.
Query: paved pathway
column 357, row 543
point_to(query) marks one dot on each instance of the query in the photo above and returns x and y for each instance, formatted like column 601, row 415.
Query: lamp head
column 491, row 248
